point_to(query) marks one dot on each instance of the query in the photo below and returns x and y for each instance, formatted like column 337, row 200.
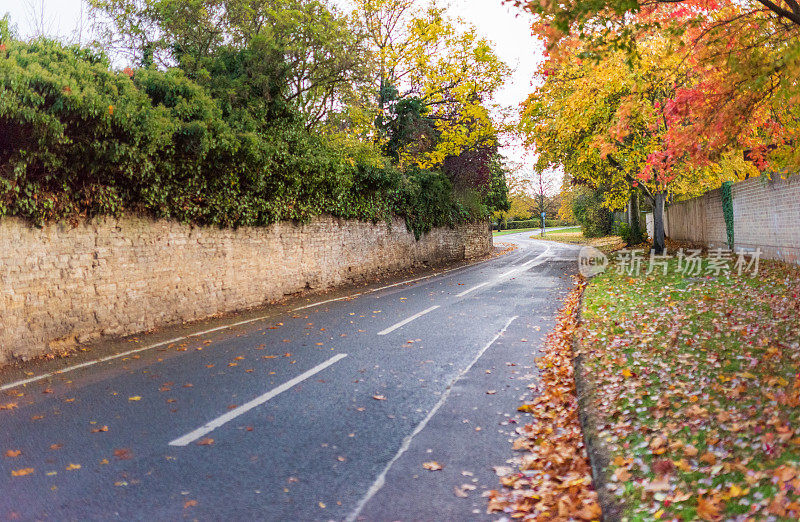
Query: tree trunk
column 634, row 218
column 658, row 223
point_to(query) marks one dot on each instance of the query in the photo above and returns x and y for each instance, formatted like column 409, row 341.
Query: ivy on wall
column 727, row 210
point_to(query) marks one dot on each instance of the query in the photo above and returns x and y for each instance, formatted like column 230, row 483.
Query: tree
column 544, row 191
column 41, row 25
column 442, row 64
column 741, row 61
column 604, row 123
column 322, row 56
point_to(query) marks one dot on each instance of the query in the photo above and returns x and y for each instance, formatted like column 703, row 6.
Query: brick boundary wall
column 766, row 215
column 65, row 285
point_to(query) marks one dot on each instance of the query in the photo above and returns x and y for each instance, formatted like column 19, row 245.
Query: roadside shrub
column 533, row 223
column 594, row 218
column 78, row 139
column 625, row 231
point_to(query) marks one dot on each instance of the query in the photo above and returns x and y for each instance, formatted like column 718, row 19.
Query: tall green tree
column 322, row 56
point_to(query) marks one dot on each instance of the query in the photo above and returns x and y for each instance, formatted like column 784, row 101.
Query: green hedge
column 532, row 223
column 79, row 139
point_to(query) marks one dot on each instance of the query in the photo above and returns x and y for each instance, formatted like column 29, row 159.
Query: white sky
column 502, row 24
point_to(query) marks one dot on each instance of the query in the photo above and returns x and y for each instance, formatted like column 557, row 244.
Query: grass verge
column 512, row 231
column 574, row 236
column 519, row 230
column 696, row 391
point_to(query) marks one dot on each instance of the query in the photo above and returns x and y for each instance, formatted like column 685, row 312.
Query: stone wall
column 766, row 215
column 64, row 284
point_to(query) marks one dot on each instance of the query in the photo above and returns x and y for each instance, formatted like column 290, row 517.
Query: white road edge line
column 125, row 354
column 372, row 291
column 381, row 480
column 258, row 401
column 406, row 321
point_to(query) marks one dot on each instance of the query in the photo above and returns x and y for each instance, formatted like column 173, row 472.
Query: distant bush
column 532, row 223
column 625, row 231
column 79, row 139
column 594, row 218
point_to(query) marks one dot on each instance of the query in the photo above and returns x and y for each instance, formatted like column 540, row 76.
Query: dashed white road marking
column 465, row 292
column 258, row 401
column 381, row 479
column 406, row 321
column 538, row 260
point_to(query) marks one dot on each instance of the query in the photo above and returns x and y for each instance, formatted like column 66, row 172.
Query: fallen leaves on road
column 205, row 442
column 432, row 466
column 13, row 453
column 21, row 472
column 100, row 429
column 554, row 480
column 462, row 491
column 123, row 454
column 134, row 398
column 73, row 467
column 189, row 503
column 379, row 397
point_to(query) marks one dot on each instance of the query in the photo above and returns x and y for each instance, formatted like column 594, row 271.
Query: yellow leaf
column 73, row 467
column 432, row 466
column 22, row 472
column 134, row 398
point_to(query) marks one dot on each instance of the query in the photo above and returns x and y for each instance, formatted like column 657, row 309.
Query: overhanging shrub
column 78, row 139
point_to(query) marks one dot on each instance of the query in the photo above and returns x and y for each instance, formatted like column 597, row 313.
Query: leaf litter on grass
column 697, row 392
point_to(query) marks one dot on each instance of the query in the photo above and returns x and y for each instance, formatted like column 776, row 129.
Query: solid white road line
column 129, row 352
column 258, row 401
column 372, row 291
column 406, row 321
column 381, row 480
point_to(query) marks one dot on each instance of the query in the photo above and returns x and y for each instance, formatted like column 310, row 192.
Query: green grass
column 569, row 231
column 710, row 367
column 575, row 236
column 516, row 231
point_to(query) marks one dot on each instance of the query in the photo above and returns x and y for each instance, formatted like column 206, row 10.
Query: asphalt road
column 317, row 411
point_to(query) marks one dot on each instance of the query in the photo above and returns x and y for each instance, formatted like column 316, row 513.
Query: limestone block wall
column 63, row 285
